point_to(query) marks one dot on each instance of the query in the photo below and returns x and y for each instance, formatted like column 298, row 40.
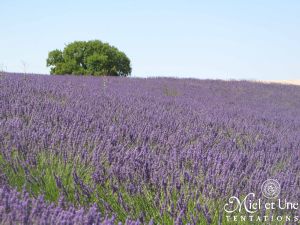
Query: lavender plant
column 86, row 150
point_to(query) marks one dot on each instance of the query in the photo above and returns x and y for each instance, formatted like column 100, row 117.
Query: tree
column 89, row 58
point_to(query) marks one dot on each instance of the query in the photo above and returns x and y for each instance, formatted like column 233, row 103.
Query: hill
column 139, row 151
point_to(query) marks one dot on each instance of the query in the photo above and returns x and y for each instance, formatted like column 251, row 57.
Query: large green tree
column 89, row 58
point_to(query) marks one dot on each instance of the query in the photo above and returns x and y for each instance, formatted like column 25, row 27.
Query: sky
column 209, row 39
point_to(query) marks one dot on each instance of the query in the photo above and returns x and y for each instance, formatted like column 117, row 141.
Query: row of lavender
column 20, row 207
column 183, row 145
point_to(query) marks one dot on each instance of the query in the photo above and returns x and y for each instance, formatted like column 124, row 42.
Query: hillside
column 142, row 151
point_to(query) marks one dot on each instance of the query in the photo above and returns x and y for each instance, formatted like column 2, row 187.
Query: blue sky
column 203, row 39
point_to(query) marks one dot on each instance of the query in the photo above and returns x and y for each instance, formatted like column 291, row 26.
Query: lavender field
column 109, row 150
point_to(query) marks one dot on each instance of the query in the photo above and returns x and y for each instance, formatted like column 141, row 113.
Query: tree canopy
column 89, row 58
